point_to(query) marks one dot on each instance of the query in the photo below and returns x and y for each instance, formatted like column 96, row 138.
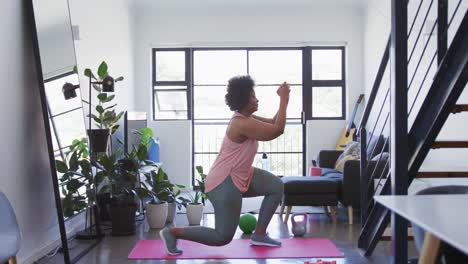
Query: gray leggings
column 227, row 203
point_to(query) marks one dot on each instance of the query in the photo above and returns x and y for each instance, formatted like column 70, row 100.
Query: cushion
column 326, row 171
column 337, row 177
column 353, row 148
column 340, row 165
column 309, row 185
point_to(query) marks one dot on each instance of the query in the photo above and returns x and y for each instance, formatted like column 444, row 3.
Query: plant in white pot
column 171, row 198
column 194, row 207
column 195, row 204
column 157, row 189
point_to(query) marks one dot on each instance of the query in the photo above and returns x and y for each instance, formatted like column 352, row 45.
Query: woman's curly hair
column 238, row 93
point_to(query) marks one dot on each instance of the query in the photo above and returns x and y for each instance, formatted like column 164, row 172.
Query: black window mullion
column 343, row 87
column 317, row 83
column 189, row 80
column 307, row 82
column 170, row 90
column 153, row 74
column 169, row 83
column 185, row 83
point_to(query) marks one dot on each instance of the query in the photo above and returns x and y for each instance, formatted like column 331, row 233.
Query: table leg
column 333, row 214
column 430, row 249
column 325, row 209
column 281, row 211
column 288, row 212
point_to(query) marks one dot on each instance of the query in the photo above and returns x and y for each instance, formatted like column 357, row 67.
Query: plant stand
column 91, row 231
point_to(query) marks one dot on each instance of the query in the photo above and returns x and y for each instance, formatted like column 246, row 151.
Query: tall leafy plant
column 80, row 145
column 106, row 117
column 119, row 177
column 116, row 178
column 145, row 134
column 77, row 185
column 156, row 187
column 159, row 188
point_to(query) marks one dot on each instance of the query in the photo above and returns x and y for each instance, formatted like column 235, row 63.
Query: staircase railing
column 430, row 115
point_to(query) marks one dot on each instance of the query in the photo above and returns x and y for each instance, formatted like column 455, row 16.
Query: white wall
column 242, row 23
column 377, row 30
column 25, row 176
column 105, row 35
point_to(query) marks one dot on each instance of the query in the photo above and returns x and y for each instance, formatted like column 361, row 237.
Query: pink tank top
column 235, row 160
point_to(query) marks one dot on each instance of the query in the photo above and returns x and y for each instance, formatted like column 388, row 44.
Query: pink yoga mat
column 239, row 249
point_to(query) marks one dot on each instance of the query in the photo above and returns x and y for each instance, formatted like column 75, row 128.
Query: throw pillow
column 353, row 148
column 340, row 165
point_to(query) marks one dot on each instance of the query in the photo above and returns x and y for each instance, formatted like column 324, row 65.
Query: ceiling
column 250, row 3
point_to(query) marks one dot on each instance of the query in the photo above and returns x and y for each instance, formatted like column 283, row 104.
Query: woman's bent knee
column 279, row 187
column 222, row 240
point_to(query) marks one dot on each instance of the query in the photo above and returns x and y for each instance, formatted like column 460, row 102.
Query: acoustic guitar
column 349, row 131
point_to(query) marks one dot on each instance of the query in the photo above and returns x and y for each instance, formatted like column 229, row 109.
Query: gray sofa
column 349, row 180
column 334, row 186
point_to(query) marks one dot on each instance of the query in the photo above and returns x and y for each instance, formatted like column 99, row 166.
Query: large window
column 194, row 81
column 269, row 68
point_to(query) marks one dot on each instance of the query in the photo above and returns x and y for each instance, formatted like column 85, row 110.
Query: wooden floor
column 115, row 249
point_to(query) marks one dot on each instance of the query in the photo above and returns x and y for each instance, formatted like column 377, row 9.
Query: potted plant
column 122, row 177
column 194, row 205
column 171, row 198
column 118, row 179
column 156, row 188
column 106, row 117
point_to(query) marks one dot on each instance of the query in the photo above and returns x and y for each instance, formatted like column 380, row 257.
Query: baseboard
column 47, row 249
column 73, row 225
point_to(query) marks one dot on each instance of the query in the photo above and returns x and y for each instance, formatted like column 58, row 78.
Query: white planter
column 171, row 212
column 194, row 213
column 156, row 215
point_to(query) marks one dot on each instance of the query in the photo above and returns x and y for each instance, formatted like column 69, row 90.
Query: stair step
column 450, row 144
column 387, row 235
column 442, row 174
column 460, row 108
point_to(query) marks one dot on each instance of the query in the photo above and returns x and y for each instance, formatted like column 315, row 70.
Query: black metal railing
column 376, row 174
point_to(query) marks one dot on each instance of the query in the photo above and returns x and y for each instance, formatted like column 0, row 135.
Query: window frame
column 187, row 83
column 310, row 84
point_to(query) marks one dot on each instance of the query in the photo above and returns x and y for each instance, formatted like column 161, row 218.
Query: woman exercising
column 232, row 176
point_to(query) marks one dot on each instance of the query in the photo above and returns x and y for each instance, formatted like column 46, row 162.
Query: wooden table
column 444, row 217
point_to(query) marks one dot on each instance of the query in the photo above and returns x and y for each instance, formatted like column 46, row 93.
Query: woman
column 232, row 176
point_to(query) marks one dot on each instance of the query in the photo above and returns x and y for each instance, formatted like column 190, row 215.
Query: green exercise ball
column 247, row 223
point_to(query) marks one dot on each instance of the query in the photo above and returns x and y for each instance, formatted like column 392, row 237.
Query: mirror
column 62, row 106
